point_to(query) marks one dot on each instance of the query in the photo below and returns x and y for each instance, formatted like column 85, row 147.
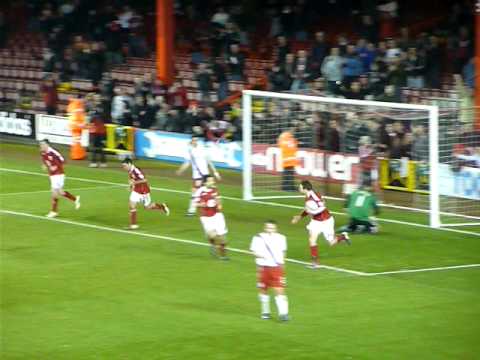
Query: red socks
column 221, row 249
column 54, row 204
column 314, row 252
column 69, row 196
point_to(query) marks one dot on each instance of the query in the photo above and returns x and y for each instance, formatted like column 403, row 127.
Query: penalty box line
column 392, row 221
column 163, row 237
column 192, row 242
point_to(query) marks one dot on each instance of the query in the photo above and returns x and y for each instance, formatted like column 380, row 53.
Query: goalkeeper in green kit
column 361, row 204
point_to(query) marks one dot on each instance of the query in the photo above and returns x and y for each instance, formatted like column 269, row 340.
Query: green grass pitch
column 83, row 288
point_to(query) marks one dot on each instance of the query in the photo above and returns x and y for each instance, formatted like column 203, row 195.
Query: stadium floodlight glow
column 435, row 133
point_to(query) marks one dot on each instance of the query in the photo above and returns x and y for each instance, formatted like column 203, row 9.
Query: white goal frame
column 433, row 121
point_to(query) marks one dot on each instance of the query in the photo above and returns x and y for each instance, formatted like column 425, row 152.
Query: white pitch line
column 465, row 232
column 49, row 191
column 407, row 271
column 163, row 237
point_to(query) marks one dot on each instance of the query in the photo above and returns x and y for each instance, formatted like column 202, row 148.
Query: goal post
column 267, row 114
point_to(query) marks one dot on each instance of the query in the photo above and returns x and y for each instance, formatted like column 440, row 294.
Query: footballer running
column 321, row 222
column 207, row 199
column 140, row 193
column 53, row 162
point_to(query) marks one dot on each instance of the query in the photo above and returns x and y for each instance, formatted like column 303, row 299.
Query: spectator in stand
column 332, row 137
column 464, row 49
column 420, row 144
column 282, row 50
column 377, row 78
column 415, row 69
column 433, row 67
column 332, row 69
column 192, row 117
column 389, row 94
column 368, row 28
column 289, row 67
column 220, row 18
column 121, row 107
column 177, row 96
column 139, row 110
column 301, row 74
column 393, row 51
column 404, row 41
column 366, row 53
column 50, row 96
column 342, row 43
column 354, row 91
column 365, row 87
column 203, row 78
column 396, row 75
column 236, row 63
column 352, row 66
column 219, row 74
column 231, row 35
column 161, row 114
column 277, row 79
column 159, row 89
column 319, row 51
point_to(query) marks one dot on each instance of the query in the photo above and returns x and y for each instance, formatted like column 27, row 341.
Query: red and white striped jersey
column 315, row 207
column 135, row 174
column 53, row 160
column 208, row 199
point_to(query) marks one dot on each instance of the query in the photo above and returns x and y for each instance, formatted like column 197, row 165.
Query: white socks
column 265, row 302
column 191, row 208
column 282, row 304
column 280, row 300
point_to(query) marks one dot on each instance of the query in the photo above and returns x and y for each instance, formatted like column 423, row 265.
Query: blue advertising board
column 173, row 147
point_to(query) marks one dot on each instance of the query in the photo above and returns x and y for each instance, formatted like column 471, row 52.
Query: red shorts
column 270, row 277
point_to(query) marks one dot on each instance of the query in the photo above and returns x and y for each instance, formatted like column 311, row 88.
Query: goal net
column 416, row 157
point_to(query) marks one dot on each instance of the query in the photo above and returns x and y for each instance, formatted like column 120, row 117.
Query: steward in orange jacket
column 288, row 146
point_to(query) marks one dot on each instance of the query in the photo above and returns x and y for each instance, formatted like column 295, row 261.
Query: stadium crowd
column 373, row 61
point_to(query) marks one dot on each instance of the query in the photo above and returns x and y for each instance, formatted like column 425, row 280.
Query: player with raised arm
column 53, row 162
column 207, row 198
column 361, row 204
column 140, row 193
column 321, row 222
column 269, row 248
column 200, row 163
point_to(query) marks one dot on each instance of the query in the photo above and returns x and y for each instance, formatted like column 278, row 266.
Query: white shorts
column 57, row 181
column 136, row 198
column 326, row 227
column 215, row 223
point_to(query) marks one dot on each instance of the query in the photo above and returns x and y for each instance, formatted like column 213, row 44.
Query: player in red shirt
column 140, row 193
column 53, row 162
column 321, row 222
column 207, row 199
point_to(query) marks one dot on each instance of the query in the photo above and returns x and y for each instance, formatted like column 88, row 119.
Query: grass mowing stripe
column 254, row 201
column 168, row 238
